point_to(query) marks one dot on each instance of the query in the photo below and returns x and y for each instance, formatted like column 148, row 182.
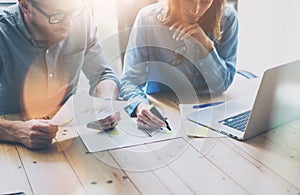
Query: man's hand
column 110, row 121
column 147, row 120
column 108, row 89
column 34, row 134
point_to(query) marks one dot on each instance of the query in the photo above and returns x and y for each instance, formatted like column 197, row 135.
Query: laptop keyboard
column 238, row 122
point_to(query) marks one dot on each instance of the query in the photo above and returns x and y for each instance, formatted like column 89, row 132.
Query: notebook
column 277, row 102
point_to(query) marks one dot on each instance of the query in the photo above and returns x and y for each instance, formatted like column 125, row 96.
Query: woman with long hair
column 179, row 43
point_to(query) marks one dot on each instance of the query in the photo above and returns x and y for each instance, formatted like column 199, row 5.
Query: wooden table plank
column 97, row 176
column 270, row 150
column 288, row 137
column 197, row 173
column 48, row 170
column 12, row 174
column 171, row 150
column 149, row 172
column 201, row 175
column 13, row 177
column 137, row 162
column 170, row 179
column 251, row 175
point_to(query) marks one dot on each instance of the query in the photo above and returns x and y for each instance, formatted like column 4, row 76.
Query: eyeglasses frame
column 34, row 4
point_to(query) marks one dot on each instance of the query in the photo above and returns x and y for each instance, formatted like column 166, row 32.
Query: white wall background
column 269, row 33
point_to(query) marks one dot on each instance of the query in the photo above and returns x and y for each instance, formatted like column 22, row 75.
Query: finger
column 106, row 127
column 152, row 119
column 52, row 135
column 112, row 118
column 53, row 129
column 117, row 116
column 37, row 143
column 39, row 135
column 158, row 122
column 185, row 36
column 197, row 32
column 108, row 120
column 143, row 125
column 177, row 31
column 142, row 117
column 174, row 26
column 40, row 145
column 42, row 142
column 47, row 130
column 43, row 125
column 110, row 126
column 186, row 31
column 193, row 32
column 146, row 116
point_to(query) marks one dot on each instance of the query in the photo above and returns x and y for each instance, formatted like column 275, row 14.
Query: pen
column 206, row 105
column 154, row 111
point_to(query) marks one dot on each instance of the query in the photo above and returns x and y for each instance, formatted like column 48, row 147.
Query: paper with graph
column 125, row 134
column 82, row 112
column 82, row 109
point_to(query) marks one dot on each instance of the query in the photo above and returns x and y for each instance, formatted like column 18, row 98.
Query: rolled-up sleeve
column 95, row 65
column 136, row 70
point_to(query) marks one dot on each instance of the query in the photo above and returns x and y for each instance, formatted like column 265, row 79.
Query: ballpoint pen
column 206, row 105
column 154, row 111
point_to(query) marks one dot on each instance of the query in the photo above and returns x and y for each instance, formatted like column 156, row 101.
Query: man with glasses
column 44, row 46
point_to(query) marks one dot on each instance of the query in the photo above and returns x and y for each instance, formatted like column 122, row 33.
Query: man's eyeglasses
column 179, row 52
column 57, row 18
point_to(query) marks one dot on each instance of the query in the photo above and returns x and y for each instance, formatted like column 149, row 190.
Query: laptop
column 277, row 102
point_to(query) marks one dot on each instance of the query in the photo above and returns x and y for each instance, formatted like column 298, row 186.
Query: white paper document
column 82, row 109
column 82, row 112
column 124, row 135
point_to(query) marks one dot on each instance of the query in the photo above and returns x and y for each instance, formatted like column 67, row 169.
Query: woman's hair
column 210, row 21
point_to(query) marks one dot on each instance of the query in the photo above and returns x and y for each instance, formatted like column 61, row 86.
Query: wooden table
column 267, row 164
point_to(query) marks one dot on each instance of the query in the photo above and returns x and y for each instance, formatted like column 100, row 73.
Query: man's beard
column 49, row 37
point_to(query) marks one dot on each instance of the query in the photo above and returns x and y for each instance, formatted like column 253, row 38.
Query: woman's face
column 192, row 10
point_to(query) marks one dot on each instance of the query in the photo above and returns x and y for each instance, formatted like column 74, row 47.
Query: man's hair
column 210, row 21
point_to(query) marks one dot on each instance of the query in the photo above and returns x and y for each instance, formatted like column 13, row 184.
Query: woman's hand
column 184, row 30
column 147, row 120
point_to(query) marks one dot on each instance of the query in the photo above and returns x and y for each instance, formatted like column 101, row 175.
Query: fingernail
column 174, row 37
column 171, row 28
